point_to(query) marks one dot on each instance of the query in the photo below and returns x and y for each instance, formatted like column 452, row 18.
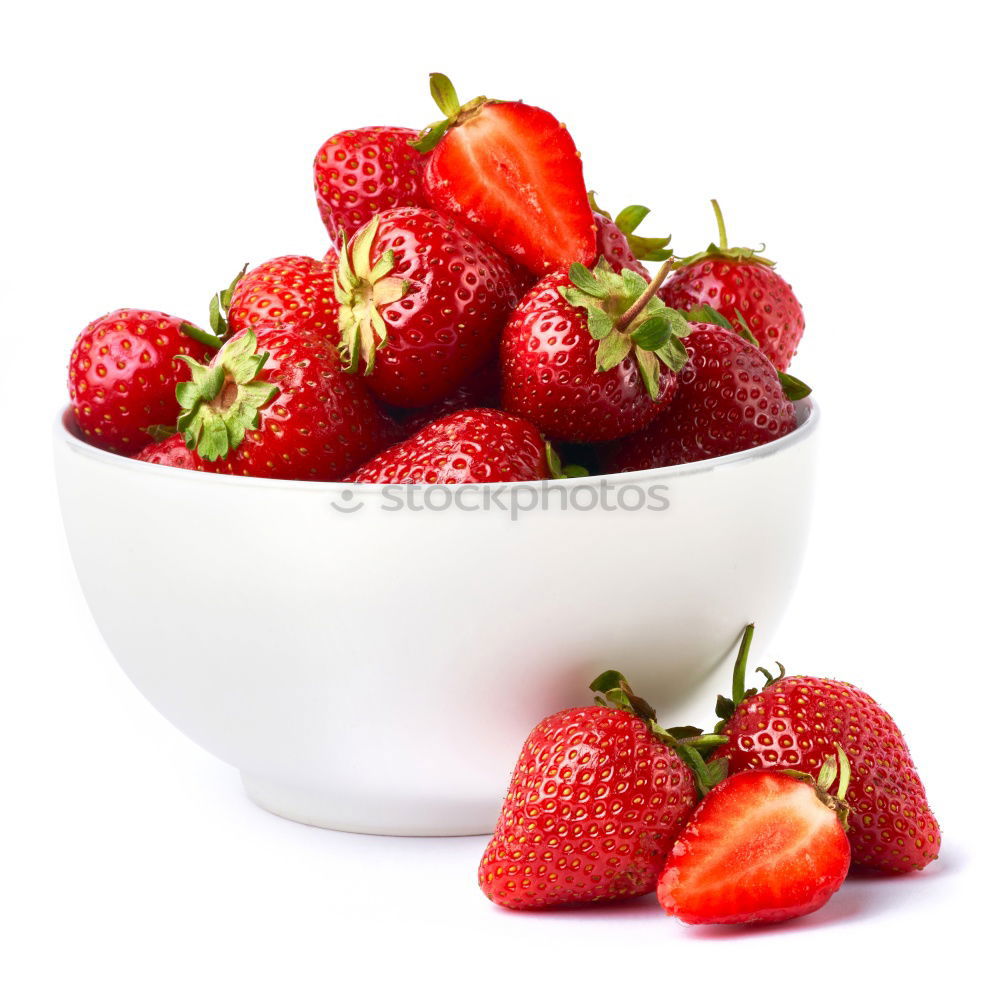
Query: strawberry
column 729, row 398
column 171, row 451
column 798, row 721
column 480, row 389
column 620, row 245
column 762, row 847
column 746, row 289
column 294, row 291
column 422, row 301
column 471, row 446
column 597, row 798
column 275, row 403
column 123, row 373
column 512, row 173
column 365, row 171
column 591, row 355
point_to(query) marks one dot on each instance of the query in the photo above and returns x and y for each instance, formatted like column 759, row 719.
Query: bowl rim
column 807, row 411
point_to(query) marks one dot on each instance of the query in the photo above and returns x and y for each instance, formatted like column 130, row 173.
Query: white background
column 152, row 149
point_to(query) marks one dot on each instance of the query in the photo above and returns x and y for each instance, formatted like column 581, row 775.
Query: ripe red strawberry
column 729, row 398
column 472, row 446
column 422, row 303
column 591, row 356
column 798, row 721
column 620, row 245
column 123, row 373
column 275, row 403
column 761, row 847
column 512, row 173
column 171, row 451
column 292, row 291
column 739, row 283
column 481, row 389
column 365, row 171
column 597, row 798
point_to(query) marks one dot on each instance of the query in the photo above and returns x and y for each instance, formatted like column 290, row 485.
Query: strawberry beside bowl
column 370, row 658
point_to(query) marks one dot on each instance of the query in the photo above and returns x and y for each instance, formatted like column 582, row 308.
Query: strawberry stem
column 640, row 303
column 723, row 240
column 740, row 670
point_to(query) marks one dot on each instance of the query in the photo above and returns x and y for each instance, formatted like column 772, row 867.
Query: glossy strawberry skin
column 728, row 399
column 797, row 721
column 448, row 323
column 362, row 172
column 322, row 424
column 760, row 848
column 548, row 373
column 472, row 446
column 123, row 373
column 612, row 245
column 755, row 290
column 512, row 154
column 173, row 452
column 294, row 291
column 594, row 806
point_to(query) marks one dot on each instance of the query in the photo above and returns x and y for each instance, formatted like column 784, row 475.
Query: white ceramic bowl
column 372, row 664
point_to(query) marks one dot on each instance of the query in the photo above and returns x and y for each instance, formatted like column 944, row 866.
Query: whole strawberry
column 292, row 291
column 171, row 451
column 472, row 446
column 596, row 801
column 591, row 355
column 797, row 722
column 275, row 403
column 620, row 245
column 729, row 398
column 512, row 173
column 123, row 373
column 365, row 171
column 762, row 847
column 742, row 286
column 422, row 301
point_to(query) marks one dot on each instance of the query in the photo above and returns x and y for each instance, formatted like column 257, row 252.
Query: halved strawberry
column 762, row 846
column 512, row 173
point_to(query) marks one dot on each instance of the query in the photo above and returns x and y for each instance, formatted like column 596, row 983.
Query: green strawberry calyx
column 628, row 220
column 455, row 114
column 724, row 250
column 690, row 744
column 362, row 288
column 556, row 468
column 627, row 318
column 223, row 400
column 725, row 707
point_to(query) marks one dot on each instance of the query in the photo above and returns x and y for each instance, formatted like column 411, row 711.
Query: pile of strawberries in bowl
column 477, row 319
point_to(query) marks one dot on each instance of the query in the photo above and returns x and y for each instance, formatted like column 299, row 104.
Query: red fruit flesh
column 123, row 373
column 362, row 172
column 593, row 808
column 728, row 399
column 796, row 722
column 760, row 848
column 481, row 389
column 473, row 446
column 548, row 364
column 754, row 290
column 513, row 174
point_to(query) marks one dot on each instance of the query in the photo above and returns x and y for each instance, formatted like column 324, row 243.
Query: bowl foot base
column 333, row 811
